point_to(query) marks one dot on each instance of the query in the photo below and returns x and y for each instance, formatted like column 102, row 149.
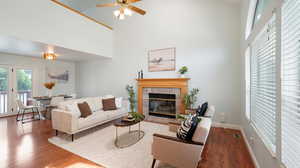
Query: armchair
column 180, row 153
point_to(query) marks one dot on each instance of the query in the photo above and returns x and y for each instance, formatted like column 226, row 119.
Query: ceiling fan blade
column 133, row 1
column 108, row 5
column 137, row 10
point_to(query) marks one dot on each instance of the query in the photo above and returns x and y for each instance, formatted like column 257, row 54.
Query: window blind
column 263, row 84
column 290, row 128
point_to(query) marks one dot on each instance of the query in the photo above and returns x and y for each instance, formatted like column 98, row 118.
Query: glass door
column 4, row 90
column 23, row 85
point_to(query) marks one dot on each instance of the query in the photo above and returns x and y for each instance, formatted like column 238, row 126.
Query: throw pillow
column 186, row 125
column 203, row 109
column 85, row 109
column 118, row 102
column 194, row 124
column 109, row 104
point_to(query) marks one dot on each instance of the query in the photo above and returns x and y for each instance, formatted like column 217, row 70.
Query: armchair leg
column 72, row 137
column 56, row 132
column 153, row 163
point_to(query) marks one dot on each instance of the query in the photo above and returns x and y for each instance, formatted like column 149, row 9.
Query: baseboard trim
column 225, row 125
column 238, row 127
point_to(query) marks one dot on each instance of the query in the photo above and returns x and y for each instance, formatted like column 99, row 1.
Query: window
column 256, row 9
column 263, row 84
column 260, row 6
column 247, row 82
column 290, row 113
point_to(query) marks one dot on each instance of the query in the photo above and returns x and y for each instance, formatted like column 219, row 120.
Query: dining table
column 44, row 102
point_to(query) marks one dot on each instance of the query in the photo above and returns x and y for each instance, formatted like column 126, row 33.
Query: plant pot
column 190, row 111
column 182, row 75
column 49, row 93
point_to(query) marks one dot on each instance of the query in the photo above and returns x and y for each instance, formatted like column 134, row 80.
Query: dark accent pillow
column 198, row 110
column 84, row 109
column 109, row 104
column 203, row 109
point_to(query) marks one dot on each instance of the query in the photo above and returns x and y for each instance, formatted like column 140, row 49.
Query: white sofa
column 66, row 118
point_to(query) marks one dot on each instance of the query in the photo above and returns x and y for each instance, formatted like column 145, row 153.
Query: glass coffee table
column 129, row 138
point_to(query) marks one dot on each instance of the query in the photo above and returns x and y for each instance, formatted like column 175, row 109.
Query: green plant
column 137, row 116
column 131, row 97
column 190, row 99
column 183, row 70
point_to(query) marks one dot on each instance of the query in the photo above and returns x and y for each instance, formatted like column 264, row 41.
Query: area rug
column 98, row 146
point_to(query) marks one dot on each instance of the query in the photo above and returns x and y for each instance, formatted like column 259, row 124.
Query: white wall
column 46, row 22
column 263, row 156
column 39, row 67
column 206, row 35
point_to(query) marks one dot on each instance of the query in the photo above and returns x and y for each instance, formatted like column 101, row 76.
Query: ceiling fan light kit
column 126, row 9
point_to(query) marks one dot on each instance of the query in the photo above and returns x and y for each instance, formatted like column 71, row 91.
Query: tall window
column 290, row 129
column 263, row 84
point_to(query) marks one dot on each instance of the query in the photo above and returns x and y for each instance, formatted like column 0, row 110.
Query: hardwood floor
column 27, row 146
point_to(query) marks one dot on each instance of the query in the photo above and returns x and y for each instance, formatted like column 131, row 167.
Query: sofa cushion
column 116, row 113
column 202, row 130
column 119, row 101
column 84, row 109
column 95, row 103
column 109, row 104
column 73, row 109
column 92, row 120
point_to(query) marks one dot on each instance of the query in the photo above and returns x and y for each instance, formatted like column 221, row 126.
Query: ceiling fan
column 125, row 8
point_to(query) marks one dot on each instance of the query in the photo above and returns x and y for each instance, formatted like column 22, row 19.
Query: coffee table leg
column 116, row 134
column 139, row 130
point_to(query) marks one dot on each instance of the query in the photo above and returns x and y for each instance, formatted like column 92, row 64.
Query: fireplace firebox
column 162, row 105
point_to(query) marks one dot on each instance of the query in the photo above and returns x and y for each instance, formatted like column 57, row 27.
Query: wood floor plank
column 27, row 146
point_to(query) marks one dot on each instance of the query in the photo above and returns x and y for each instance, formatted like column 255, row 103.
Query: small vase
column 182, row 76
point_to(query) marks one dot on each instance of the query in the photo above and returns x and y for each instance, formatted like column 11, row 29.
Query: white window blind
column 247, row 83
column 290, row 84
column 263, row 84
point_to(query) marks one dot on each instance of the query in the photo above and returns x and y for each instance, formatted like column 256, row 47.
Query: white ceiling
column 35, row 49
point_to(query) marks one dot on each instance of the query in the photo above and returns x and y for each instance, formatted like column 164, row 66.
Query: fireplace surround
column 164, row 94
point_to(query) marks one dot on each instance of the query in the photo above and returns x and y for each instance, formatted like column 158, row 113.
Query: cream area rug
column 98, row 146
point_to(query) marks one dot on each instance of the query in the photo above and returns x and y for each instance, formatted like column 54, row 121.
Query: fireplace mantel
column 180, row 83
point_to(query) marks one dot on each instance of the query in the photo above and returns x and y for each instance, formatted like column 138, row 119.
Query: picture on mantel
column 162, row 60
column 57, row 75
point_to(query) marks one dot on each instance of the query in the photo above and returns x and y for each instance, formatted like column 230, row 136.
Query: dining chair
column 22, row 109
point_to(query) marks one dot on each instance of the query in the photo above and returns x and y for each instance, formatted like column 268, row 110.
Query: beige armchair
column 180, row 153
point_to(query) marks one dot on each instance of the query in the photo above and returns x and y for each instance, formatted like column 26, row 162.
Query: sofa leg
column 72, row 137
column 153, row 163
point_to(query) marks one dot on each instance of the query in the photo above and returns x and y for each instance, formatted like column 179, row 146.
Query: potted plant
column 131, row 98
column 49, row 86
column 183, row 70
column 189, row 101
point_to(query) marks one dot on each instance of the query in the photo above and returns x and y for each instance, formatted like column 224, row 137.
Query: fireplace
column 161, row 98
column 162, row 105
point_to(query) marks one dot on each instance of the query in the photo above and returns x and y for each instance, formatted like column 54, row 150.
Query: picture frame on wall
column 162, row 60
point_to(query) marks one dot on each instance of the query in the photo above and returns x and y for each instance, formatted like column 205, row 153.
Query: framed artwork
column 162, row 60
column 57, row 75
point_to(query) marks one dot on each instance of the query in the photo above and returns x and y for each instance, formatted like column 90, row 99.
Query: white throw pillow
column 118, row 102
column 73, row 108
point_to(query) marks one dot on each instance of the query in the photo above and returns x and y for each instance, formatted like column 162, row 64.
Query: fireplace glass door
column 162, row 105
